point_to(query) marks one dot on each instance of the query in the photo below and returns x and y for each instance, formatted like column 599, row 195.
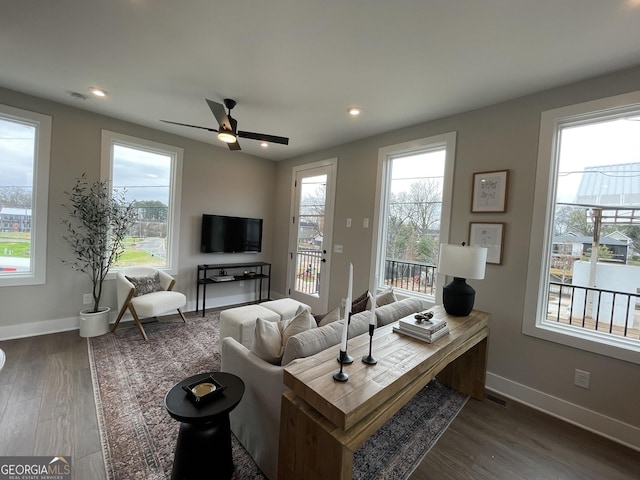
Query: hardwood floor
column 47, row 408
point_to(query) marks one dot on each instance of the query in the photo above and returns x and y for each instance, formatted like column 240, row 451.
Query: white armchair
column 146, row 292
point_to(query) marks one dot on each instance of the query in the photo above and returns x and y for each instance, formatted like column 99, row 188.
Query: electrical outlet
column 241, row 283
column 582, row 378
column 87, row 298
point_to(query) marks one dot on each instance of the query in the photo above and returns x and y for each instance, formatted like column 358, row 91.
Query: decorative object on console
column 344, row 358
column 422, row 326
column 460, row 262
column 370, row 359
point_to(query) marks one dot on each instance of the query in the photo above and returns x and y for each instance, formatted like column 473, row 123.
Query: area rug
column 131, row 378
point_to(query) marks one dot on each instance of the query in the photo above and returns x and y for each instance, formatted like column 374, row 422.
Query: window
column 151, row 175
column 413, row 207
column 24, row 189
column 584, row 261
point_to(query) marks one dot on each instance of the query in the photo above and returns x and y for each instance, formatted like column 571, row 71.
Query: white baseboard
column 44, row 327
column 595, row 422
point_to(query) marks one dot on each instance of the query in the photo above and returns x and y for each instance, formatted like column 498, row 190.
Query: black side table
column 204, row 440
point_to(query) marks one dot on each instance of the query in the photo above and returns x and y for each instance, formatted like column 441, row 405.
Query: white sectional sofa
column 256, row 420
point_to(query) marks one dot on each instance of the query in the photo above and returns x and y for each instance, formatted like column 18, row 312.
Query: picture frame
column 489, row 191
column 490, row 235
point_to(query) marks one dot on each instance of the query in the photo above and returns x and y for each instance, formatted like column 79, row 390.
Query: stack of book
column 426, row 330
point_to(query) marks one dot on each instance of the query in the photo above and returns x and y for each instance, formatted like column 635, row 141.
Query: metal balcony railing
column 308, row 264
column 412, row 276
column 608, row 311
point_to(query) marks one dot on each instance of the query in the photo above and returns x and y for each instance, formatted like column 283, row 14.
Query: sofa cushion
column 312, row 341
column 315, row 340
column 287, row 308
column 270, row 338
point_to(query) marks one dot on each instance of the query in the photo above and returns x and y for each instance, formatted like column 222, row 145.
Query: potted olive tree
column 98, row 221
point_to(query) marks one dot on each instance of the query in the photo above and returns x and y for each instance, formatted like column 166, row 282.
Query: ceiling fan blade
column 234, row 146
column 220, row 114
column 188, row 125
column 264, row 137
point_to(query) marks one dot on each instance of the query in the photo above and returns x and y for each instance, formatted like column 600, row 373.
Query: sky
column 607, row 143
column 16, row 154
column 134, row 168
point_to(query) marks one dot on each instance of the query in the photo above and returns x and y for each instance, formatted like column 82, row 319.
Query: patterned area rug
column 131, row 378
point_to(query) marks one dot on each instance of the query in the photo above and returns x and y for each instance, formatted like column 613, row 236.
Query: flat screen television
column 222, row 234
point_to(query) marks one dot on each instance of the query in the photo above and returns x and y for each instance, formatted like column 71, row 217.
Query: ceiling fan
column 227, row 126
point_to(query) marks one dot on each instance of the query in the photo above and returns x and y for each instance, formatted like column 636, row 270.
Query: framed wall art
column 489, row 193
column 490, row 235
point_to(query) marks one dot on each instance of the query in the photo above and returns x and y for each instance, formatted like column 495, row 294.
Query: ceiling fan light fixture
column 227, row 136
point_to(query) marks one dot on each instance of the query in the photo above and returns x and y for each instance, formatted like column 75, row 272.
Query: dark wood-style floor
column 47, row 408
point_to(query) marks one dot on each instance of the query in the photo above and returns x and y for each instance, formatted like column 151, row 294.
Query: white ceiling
column 294, row 66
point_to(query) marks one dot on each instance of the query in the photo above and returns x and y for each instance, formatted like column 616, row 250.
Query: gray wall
column 497, row 137
column 503, row 136
column 215, row 180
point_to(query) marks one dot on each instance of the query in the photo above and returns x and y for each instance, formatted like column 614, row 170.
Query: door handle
column 324, row 260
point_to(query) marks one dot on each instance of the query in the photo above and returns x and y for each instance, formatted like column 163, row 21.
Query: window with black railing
column 585, row 243
column 607, row 311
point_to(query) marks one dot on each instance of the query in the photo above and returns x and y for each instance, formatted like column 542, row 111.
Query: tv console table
column 323, row 422
column 262, row 272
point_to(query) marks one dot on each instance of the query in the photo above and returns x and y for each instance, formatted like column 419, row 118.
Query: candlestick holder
column 369, row 359
column 348, row 359
column 341, row 376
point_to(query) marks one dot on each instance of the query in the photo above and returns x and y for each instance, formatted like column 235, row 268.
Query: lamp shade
column 462, row 262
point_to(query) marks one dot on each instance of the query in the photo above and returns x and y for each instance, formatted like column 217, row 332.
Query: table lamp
column 461, row 263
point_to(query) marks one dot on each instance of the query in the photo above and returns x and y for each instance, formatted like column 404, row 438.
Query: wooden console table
column 323, row 421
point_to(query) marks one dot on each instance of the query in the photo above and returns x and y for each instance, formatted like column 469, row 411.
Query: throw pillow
column 301, row 322
column 267, row 341
column 386, row 297
column 330, row 317
column 146, row 284
column 270, row 338
column 360, row 304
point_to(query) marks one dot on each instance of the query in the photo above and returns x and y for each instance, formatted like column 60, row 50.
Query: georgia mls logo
column 35, row 468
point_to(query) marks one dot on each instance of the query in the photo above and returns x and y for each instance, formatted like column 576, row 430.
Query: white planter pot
column 93, row 324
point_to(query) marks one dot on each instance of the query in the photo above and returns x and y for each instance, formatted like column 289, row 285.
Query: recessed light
column 264, row 144
column 98, row 92
column 354, row 111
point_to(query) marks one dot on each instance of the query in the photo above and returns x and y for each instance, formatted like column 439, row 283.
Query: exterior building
column 15, row 219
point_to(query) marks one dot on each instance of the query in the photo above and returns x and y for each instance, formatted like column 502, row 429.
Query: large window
column 150, row 175
column 584, row 268
column 413, row 210
column 24, row 185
